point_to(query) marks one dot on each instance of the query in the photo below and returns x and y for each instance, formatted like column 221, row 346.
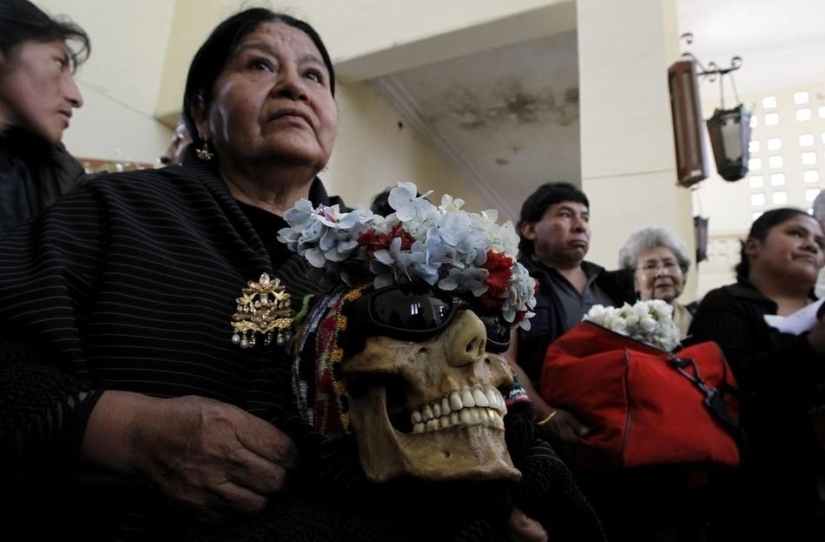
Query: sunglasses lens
column 408, row 311
column 498, row 334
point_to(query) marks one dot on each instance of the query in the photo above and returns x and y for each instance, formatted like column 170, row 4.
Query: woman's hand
column 205, row 455
column 566, row 426
column 524, row 529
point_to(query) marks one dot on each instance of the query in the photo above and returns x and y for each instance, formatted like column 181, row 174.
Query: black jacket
column 779, row 377
column 550, row 321
column 32, row 176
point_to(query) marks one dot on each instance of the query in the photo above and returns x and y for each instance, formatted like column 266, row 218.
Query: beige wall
column 628, row 157
column 372, row 153
column 372, row 26
column 121, row 80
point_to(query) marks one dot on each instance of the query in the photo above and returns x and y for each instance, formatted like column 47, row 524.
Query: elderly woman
column 123, row 389
column 38, row 56
column 659, row 262
column 780, row 376
column 145, row 379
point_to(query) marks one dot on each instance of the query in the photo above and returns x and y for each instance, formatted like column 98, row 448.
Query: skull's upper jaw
column 473, row 449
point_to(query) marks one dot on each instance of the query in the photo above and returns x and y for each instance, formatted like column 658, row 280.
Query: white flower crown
column 447, row 248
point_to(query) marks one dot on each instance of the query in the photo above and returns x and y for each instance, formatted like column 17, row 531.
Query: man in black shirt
column 554, row 236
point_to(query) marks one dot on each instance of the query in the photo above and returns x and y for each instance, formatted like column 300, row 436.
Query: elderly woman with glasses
column 659, row 262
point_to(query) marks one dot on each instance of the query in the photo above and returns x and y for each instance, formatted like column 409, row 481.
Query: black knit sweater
column 775, row 493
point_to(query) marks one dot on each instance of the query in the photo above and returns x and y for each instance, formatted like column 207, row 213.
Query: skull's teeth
column 486, row 417
column 468, row 406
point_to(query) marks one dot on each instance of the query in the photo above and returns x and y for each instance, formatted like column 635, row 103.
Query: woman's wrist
column 110, row 439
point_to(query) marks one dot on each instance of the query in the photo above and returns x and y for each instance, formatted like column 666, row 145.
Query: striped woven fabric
column 129, row 283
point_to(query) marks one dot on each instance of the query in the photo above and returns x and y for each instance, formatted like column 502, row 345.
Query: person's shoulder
column 141, row 184
column 730, row 296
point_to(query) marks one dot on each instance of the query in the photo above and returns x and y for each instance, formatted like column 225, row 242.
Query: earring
column 204, row 154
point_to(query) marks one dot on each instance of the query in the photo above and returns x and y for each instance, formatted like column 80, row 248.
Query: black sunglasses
column 404, row 313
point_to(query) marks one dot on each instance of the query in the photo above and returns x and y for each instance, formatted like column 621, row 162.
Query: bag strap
column 713, row 398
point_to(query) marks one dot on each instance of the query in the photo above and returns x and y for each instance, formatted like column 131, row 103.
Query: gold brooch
column 263, row 309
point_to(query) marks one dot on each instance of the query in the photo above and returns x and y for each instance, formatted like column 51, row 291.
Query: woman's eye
column 259, row 64
column 315, row 75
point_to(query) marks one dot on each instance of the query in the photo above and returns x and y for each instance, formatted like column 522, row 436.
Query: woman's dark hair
column 759, row 231
column 211, row 58
column 537, row 203
column 22, row 21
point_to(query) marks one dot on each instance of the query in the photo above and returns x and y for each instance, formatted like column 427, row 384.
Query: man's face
column 562, row 236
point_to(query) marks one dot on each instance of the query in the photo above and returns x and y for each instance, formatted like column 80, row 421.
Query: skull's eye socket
column 407, row 314
column 498, row 333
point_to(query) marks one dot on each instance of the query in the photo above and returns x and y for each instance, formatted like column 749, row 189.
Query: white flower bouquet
column 650, row 322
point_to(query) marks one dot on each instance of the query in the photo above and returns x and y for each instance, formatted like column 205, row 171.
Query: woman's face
column 792, row 249
column 37, row 89
column 272, row 101
column 658, row 275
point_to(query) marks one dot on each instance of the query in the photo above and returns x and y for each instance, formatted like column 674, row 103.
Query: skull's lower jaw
column 474, row 452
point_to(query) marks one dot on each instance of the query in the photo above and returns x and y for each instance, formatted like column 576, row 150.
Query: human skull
column 432, row 409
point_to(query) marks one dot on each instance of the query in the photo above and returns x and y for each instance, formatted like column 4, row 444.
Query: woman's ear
column 752, row 247
column 200, row 114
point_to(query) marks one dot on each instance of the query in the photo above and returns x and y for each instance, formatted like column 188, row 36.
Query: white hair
column 653, row 237
column 819, row 206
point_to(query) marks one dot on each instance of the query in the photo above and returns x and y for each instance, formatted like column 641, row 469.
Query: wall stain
column 509, row 103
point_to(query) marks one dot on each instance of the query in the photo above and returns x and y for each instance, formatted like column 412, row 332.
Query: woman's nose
column 290, row 85
column 72, row 92
column 466, row 340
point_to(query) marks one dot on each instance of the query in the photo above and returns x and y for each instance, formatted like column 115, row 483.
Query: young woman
column 780, row 375
column 38, row 56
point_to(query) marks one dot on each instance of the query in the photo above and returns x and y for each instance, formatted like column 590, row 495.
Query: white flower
column 444, row 247
column 650, row 322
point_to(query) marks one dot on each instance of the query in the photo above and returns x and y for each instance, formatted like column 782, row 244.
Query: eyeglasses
column 651, row 266
column 404, row 313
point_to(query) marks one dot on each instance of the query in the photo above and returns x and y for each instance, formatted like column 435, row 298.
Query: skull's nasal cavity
column 467, row 343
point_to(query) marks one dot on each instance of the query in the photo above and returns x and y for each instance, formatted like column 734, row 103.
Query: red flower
column 374, row 241
column 500, row 268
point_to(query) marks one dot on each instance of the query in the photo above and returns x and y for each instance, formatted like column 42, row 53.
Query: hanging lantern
column 729, row 129
column 730, row 135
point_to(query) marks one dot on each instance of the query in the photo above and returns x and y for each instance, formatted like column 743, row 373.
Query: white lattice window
column 801, row 97
column 774, row 143
column 755, row 164
column 769, row 102
column 778, row 179
column 771, row 119
column 758, row 199
column 808, row 158
column 806, row 140
column 756, row 181
column 753, row 145
column 803, row 114
column 810, row 176
column 811, row 194
column 775, row 162
column 779, row 198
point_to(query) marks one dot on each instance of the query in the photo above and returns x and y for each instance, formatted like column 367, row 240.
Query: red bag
column 644, row 406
